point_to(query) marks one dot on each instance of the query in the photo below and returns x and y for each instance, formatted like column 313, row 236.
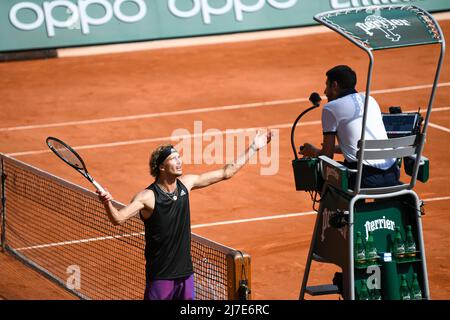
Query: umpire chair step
column 322, row 289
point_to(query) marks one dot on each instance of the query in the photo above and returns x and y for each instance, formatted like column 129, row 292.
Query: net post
column 3, row 206
column 239, row 276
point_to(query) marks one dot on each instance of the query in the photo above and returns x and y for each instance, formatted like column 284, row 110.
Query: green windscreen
column 382, row 27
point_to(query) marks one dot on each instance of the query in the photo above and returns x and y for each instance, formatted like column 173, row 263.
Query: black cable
column 243, row 290
column 421, row 205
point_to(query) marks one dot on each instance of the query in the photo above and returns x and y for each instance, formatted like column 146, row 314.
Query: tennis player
column 164, row 208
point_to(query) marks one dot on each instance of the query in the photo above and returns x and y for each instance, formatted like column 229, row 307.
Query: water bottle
column 410, row 245
column 360, row 253
column 371, row 250
column 399, row 245
column 415, row 288
column 405, row 294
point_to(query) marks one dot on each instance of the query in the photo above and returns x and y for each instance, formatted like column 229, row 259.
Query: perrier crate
column 385, row 220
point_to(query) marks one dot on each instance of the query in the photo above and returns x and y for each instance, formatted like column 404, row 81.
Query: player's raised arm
column 230, row 169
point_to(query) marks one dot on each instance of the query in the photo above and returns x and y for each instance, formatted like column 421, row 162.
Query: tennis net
column 61, row 230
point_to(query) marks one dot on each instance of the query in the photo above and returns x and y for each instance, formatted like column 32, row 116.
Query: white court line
column 168, row 138
column 436, row 199
column 434, row 110
column 203, row 110
column 58, row 244
column 190, row 42
column 282, row 216
column 195, row 226
column 205, row 40
column 279, row 216
column 436, row 126
column 157, row 115
column 195, row 135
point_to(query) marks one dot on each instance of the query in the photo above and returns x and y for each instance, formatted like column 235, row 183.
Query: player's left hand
column 262, row 139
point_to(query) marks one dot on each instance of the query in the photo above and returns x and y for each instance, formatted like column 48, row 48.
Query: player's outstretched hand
column 262, row 139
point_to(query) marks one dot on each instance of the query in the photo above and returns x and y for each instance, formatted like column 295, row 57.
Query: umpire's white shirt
column 343, row 116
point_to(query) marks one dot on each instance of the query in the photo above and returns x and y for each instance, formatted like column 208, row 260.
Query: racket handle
column 98, row 186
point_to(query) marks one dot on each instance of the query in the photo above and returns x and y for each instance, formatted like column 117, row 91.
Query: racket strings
column 67, row 155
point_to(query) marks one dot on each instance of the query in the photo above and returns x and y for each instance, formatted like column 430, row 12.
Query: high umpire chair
column 344, row 209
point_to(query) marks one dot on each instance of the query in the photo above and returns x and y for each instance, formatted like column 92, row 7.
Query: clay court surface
column 267, row 82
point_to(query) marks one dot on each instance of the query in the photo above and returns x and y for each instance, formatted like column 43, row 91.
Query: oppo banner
column 38, row 24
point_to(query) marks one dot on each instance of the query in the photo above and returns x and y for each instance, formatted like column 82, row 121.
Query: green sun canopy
column 383, row 27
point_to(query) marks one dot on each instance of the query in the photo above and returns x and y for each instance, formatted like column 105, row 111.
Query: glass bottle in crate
column 371, row 250
column 360, row 253
column 410, row 245
column 363, row 291
column 415, row 288
column 375, row 294
column 399, row 245
column 405, row 293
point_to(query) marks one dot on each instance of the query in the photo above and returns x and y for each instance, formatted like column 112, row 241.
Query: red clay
column 71, row 89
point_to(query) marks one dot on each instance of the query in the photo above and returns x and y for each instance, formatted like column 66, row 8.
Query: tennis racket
column 72, row 158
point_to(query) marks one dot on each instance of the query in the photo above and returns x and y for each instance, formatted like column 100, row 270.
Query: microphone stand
column 316, row 105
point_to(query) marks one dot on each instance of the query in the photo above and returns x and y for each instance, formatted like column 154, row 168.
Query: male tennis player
column 164, row 208
column 342, row 119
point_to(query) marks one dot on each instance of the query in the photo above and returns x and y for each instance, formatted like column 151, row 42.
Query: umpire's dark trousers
column 374, row 177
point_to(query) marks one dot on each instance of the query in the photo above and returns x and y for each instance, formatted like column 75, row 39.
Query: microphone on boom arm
column 315, row 99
